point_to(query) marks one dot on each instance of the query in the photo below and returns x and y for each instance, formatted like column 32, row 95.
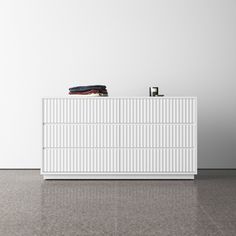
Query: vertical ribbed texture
column 83, row 110
column 119, row 135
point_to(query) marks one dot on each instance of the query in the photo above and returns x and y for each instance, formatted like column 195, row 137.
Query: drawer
column 119, row 110
column 157, row 136
column 157, row 160
column 105, row 160
column 80, row 135
column 80, row 160
column 158, row 110
column 80, row 110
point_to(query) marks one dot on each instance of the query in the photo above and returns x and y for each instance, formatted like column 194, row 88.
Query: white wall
column 186, row 47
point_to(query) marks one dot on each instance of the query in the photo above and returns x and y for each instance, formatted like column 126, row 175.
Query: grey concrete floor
column 32, row 206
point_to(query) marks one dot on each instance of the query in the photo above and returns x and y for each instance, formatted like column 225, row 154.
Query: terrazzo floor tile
column 32, row 206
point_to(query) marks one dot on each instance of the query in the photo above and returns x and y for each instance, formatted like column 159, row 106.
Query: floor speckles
column 31, row 206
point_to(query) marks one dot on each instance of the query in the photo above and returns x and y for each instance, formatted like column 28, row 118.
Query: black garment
column 87, row 88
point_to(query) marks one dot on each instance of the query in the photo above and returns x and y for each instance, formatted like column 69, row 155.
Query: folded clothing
column 88, row 92
column 87, row 88
column 98, row 90
column 87, row 95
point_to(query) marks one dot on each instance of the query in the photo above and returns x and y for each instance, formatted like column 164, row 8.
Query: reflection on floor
column 31, row 206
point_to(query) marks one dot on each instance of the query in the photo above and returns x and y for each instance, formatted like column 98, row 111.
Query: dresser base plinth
column 117, row 176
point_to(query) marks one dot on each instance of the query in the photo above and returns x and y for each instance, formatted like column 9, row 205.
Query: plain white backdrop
column 186, row 47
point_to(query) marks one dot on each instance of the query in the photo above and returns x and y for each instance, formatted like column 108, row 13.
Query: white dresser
column 119, row 138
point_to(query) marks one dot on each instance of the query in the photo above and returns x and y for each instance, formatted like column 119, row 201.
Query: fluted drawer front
column 115, row 160
column 72, row 135
column 164, row 136
column 157, row 160
column 119, row 110
column 158, row 110
column 76, row 135
column 82, row 110
column 81, row 160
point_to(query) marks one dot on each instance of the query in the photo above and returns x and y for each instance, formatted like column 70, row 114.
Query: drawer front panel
column 77, row 160
column 158, row 110
column 163, row 136
column 131, row 136
column 70, row 136
column 83, row 110
column 102, row 160
column 157, row 160
column 120, row 110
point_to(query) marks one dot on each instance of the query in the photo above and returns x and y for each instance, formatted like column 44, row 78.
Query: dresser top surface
column 105, row 98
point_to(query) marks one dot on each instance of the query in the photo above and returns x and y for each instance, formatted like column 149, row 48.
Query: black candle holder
column 154, row 92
